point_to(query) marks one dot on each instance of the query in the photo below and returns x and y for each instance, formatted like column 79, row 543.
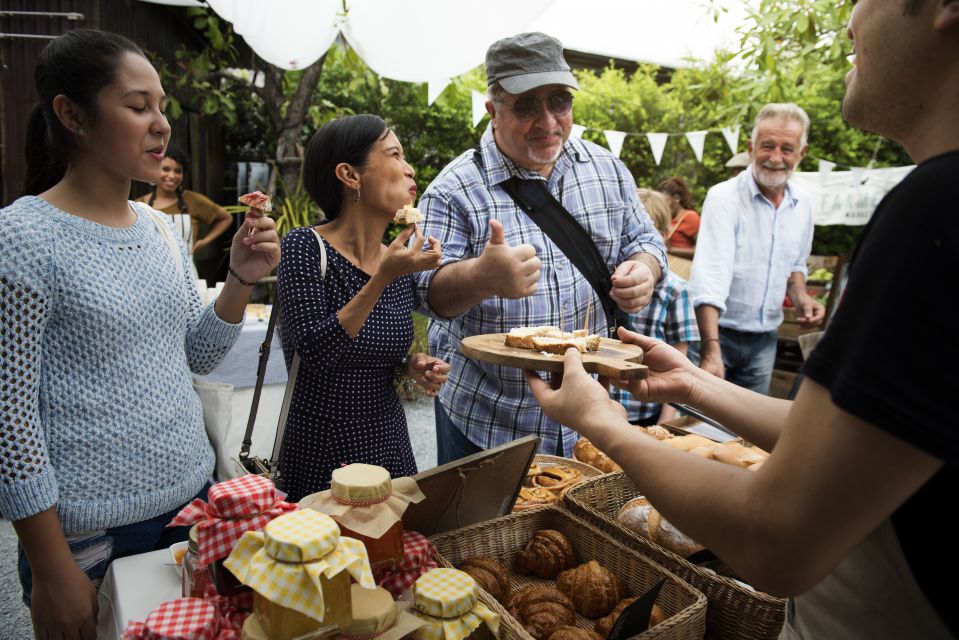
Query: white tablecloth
column 132, row 588
column 238, row 366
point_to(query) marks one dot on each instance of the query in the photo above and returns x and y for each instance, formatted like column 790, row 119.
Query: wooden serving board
column 614, row 358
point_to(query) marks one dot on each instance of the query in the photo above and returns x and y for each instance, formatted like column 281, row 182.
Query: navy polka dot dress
column 344, row 407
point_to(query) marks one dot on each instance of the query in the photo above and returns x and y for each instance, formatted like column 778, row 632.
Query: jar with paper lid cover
column 446, row 600
column 377, row 617
column 299, row 568
column 368, row 506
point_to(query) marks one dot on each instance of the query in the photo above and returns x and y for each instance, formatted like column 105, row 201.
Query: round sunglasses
column 526, row 108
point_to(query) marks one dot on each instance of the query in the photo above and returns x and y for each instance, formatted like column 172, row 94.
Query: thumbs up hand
column 513, row 272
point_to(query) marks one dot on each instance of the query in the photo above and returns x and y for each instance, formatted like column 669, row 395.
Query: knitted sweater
column 99, row 333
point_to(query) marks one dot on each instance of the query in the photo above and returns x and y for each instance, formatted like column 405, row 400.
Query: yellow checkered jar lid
column 360, row 483
column 301, row 536
column 444, row 593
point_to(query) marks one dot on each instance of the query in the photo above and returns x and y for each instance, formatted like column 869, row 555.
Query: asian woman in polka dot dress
column 353, row 326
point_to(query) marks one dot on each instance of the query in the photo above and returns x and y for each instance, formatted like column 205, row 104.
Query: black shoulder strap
column 573, row 240
column 260, row 376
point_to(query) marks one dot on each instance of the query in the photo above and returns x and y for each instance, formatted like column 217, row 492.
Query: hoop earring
column 356, row 196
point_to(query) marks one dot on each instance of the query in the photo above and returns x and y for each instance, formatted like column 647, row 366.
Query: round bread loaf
column 639, row 516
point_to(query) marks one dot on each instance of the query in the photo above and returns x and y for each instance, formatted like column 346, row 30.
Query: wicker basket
column 503, row 537
column 734, row 612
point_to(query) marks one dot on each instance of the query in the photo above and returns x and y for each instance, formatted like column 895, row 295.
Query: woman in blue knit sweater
column 101, row 433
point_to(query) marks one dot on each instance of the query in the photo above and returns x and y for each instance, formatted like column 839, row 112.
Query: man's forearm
column 796, row 287
column 458, row 287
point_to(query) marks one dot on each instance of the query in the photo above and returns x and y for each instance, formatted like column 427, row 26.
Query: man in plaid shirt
column 500, row 270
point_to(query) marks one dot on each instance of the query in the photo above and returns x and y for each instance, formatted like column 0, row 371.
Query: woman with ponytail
column 101, row 433
column 189, row 208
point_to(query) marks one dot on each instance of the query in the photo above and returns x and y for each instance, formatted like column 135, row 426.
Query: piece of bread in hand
column 257, row 200
column 408, row 215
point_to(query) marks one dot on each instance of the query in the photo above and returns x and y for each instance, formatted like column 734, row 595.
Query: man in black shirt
column 845, row 515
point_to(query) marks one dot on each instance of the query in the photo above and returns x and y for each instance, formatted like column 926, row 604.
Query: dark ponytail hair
column 77, row 64
column 348, row 139
column 179, row 156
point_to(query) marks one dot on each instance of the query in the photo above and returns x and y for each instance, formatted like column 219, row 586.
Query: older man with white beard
column 755, row 236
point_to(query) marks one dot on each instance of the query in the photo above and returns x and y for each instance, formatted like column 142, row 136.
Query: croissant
column 574, row 633
column 546, row 554
column 605, row 624
column 488, row 574
column 593, row 588
column 541, row 610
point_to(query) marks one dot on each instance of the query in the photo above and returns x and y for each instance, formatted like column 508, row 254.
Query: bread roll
column 736, row 454
column 658, row 432
column 639, row 516
column 689, row 442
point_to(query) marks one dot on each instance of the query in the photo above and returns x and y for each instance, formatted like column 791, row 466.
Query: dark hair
column 77, row 64
column 348, row 139
column 179, row 156
column 676, row 186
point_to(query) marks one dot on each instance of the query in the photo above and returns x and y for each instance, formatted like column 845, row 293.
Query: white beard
column 771, row 180
column 544, row 157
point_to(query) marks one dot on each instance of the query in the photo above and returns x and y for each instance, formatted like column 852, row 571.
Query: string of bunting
column 657, row 140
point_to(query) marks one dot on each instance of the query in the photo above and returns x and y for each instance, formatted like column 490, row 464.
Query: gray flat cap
column 738, row 161
column 527, row 61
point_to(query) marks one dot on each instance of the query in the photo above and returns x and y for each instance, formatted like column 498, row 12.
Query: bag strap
column 166, row 234
column 265, row 348
column 573, row 240
column 676, row 226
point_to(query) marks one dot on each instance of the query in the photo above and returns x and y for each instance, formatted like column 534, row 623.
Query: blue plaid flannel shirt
column 491, row 404
column 668, row 317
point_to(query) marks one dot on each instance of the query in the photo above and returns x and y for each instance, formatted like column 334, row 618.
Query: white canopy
column 434, row 40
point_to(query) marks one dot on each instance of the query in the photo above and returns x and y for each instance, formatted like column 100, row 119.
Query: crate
column 503, row 537
column 734, row 611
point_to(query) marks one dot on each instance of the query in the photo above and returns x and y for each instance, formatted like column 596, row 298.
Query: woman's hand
column 580, row 403
column 255, row 251
column 64, row 605
column 400, row 259
column 672, row 377
column 427, row 371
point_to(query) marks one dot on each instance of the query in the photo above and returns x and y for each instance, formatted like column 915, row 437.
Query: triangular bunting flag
column 479, row 106
column 434, row 88
column 731, row 135
column 615, row 141
column 657, row 142
column 697, row 140
column 577, row 131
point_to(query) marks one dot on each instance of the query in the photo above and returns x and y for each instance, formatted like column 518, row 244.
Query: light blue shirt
column 746, row 250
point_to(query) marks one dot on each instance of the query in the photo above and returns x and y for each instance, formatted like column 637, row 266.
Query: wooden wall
column 156, row 28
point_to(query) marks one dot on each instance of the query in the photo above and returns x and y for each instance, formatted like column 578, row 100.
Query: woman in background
column 190, row 209
column 352, row 325
column 684, row 226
